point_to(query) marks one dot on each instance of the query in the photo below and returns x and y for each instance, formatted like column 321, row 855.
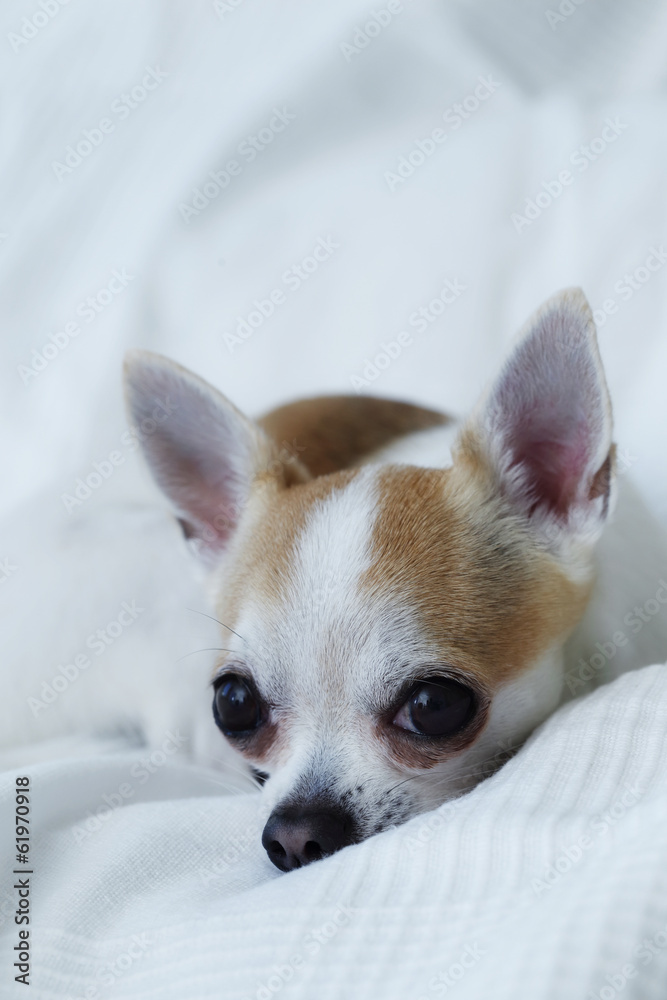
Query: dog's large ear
column 544, row 429
column 204, row 454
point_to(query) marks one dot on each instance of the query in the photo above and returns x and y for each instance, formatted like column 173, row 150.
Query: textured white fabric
column 177, row 875
column 177, row 880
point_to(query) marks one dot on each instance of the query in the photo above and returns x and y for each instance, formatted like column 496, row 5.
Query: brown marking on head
column 263, row 563
column 490, row 599
column 263, row 555
column 330, row 433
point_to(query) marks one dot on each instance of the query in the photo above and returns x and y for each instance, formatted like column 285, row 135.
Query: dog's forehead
column 300, row 592
column 361, row 574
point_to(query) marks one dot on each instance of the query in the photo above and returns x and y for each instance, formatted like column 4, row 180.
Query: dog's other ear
column 544, row 429
column 204, row 454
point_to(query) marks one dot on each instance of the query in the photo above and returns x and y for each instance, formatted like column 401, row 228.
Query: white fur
column 631, row 559
column 431, row 448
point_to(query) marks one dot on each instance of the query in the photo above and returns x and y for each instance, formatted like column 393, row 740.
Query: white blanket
column 547, row 881
column 120, row 124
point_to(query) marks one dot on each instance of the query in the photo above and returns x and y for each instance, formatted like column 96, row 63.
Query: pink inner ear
column 548, row 416
column 198, row 476
column 201, row 452
column 555, row 470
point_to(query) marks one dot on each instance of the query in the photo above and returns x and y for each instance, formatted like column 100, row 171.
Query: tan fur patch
column 326, row 435
column 491, row 601
column 331, row 433
column 264, row 559
column 269, row 542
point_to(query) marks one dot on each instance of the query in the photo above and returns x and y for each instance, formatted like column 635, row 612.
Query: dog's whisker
column 420, row 774
column 207, row 649
column 227, row 764
column 219, row 779
column 220, row 783
column 217, row 620
column 476, row 772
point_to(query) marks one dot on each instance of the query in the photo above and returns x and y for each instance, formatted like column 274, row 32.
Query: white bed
column 170, row 893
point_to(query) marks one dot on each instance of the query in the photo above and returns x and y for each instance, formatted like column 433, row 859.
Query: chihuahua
column 402, row 598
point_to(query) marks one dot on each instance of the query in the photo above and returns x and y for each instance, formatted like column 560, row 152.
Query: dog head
column 391, row 632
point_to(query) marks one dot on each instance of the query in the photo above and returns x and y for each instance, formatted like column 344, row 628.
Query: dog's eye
column 236, row 708
column 438, row 707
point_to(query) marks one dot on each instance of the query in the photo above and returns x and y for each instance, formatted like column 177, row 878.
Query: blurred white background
column 359, row 100
column 420, row 142
column 413, row 143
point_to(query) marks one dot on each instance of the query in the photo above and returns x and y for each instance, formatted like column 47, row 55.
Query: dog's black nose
column 294, row 839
